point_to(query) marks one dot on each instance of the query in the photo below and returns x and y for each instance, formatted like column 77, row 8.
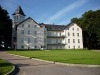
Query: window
column 78, row 34
column 68, row 28
column 73, row 34
column 28, row 32
column 28, row 40
column 22, row 46
column 28, row 25
column 35, row 47
column 78, row 40
column 22, row 40
column 68, row 46
column 22, row 31
column 35, row 32
column 73, row 40
column 35, row 40
column 77, row 29
column 22, row 25
column 72, row 28
column 68, row 40
column 68, row 34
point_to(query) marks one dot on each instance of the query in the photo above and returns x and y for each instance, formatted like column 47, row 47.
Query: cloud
column 68, row 20
column 62, row 12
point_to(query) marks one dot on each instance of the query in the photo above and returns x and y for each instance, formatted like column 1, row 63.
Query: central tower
column 18, row 15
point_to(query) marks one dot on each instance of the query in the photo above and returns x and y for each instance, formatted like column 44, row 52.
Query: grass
column 64, row 56
column 5, row 67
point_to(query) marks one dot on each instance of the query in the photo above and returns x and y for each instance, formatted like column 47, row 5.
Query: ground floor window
column 74, row 47
column 68, row 46
column 22, row 46
column 35, row 47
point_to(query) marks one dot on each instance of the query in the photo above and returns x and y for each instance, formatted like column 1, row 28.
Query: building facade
column 28, row 34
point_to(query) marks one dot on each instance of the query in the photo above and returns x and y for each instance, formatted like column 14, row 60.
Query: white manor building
column 28, row 34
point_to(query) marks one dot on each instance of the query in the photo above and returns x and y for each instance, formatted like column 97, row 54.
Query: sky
column 58, row 12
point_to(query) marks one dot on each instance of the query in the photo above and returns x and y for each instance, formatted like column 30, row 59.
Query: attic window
column 22, row 25
column 77, row 29
column 28, row 25
column 29, row 20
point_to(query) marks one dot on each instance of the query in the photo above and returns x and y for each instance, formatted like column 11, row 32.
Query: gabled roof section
column 52, row 27
column 70, row 24
column 19, row 11
column 27, row 19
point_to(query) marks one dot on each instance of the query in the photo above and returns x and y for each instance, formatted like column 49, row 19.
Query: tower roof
column 19, row 11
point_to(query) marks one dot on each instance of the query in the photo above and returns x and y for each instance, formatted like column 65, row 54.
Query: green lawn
column 64, row 56
column 5, row 67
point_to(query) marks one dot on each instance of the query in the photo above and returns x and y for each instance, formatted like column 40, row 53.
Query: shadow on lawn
column 4, row 64
column 15, row 71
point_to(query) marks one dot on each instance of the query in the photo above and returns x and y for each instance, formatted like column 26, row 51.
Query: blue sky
column 51, row 11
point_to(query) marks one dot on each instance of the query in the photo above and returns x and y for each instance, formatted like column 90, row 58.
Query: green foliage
column 5, row 67
column 5, row 28
column 90, row 23
column 65, row 56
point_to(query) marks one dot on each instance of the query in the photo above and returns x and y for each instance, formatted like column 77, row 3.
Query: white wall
column 74, row 29
column 64, row 44
column 49, row 39
column 31, row 44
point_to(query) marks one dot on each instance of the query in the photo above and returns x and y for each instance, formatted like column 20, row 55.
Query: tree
column 5, row 28
column 90, row 23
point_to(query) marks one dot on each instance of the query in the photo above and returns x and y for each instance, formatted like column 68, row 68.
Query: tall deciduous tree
column 90, row 23
column 5, row 28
